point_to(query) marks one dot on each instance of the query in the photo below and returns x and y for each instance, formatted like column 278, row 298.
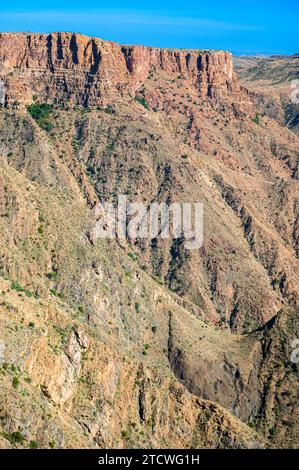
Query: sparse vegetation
column 14, row 438
column 57, row 293
column 17, row 287
column 109, row 109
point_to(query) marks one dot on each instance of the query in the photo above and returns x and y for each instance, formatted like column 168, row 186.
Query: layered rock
column 76, row 70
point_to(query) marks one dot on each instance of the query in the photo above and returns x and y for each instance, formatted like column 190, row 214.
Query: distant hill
column 270, row 79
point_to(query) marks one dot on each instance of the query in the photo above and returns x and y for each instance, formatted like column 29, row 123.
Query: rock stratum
column 113, row 343
column 90, row 72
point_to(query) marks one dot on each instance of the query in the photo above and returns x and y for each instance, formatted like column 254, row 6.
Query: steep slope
column 272, row 81
column 86, row 350
column 143, row 343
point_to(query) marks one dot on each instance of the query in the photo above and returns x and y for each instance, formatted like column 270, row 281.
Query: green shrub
column 52, row 276
column 252, row 424
column 14, row 437
column 273, row 431
column 18, row 288
column 33, row 445
column 109, row 109
column 40, row 112
column 57, row 294
column 133, row 256
column 256, row 119
column 141, row 100
column 41, row 229
column 15, row 382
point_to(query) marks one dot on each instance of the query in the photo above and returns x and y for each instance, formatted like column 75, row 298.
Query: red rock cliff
column 78, row 70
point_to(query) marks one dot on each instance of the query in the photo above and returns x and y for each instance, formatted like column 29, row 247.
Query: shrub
column 18, row 288
column 14, row 437
column 141, row 100
column 273, row 431
column 40, row 112
column 256, row 119
column 133, row 256
column 33, row 445
column 15, row 382
column 109, row 109
column 52, row 276
column 57, row 294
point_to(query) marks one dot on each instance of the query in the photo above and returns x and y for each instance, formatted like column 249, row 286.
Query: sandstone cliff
column 90, row 72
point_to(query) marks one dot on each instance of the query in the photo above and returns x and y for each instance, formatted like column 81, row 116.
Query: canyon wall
column 72, row 69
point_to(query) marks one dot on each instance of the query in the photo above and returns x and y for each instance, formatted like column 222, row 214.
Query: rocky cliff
column 81, row 71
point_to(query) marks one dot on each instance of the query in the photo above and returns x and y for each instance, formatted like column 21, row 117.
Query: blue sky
column 256, row 26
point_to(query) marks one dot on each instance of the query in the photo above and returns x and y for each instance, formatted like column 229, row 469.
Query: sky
column 252, row 27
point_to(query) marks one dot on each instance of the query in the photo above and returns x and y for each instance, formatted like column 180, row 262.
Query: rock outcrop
column 76, row 70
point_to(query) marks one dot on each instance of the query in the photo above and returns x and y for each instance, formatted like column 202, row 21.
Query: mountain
column 143, row 343
column 272, row 83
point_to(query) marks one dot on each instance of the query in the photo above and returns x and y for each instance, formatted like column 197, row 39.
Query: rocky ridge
column 90, row 72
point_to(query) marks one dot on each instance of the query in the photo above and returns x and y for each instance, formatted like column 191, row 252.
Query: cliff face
column 85, row 71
